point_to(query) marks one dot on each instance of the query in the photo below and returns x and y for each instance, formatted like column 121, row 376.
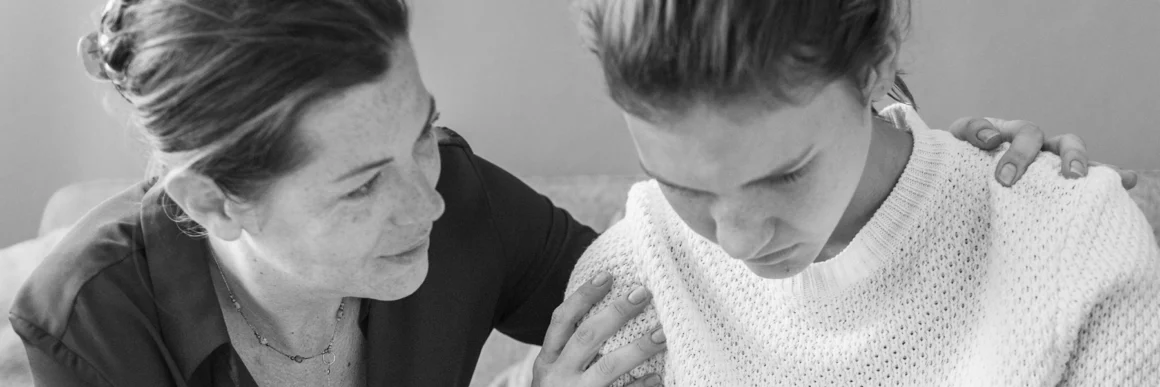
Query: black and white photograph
column 579, row 193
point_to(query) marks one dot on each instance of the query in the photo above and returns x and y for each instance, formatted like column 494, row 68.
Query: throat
column 890, row 150
column 288, row 325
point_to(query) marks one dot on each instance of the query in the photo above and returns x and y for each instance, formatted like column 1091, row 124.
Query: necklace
column 266, row 342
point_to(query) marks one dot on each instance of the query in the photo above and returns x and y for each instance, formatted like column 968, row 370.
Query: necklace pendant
column 297, row 358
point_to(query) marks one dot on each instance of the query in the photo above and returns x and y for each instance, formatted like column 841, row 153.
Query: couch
column 594, row 200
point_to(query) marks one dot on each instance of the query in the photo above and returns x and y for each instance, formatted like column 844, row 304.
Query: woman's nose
column 742, row 235
column 421, row 202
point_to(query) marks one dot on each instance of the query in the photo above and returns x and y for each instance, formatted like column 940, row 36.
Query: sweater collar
column 892, row 227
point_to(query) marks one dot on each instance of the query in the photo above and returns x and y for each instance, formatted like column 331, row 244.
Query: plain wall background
column 511, row 77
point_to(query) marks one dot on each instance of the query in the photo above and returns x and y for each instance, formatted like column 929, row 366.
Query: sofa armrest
column 1146, row 194
column 67, row 205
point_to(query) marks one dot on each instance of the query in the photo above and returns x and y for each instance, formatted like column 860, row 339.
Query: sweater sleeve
column 615, row 252
column 1119, row 343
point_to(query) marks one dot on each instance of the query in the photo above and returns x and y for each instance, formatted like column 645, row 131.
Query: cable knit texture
column 956, row 280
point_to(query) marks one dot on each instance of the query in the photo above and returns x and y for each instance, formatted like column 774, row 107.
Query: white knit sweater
column 955, row 280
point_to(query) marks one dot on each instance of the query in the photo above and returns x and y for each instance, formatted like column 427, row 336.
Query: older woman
column 302, row 194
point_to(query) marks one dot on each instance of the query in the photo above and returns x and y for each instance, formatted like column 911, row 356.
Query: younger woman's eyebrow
column 775, row 174
column 666, row 182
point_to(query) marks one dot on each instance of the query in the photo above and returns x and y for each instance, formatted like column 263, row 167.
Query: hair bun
column 92, row 57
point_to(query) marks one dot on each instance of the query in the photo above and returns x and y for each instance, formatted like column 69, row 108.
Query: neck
column 890, row 149
column 295, row 317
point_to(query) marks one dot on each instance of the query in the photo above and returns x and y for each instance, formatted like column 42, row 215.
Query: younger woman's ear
column 205, row 203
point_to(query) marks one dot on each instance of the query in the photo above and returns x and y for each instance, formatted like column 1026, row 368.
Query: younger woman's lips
column 774, row 257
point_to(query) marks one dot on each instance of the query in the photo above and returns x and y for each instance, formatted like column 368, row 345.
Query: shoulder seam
column 56, row 341
column 72, row 308
column 73, row 297
column 451, row 138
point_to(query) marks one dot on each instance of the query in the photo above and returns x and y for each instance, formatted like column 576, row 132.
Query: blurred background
column 511, row 77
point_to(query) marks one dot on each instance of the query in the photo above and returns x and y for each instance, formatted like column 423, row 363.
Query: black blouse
column 126, row 299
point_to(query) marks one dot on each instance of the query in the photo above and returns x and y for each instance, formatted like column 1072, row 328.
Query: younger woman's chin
column 780, row 270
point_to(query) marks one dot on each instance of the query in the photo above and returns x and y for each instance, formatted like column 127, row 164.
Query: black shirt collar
column 188, row 310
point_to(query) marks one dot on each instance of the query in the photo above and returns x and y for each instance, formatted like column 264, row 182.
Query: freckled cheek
column 356, row 231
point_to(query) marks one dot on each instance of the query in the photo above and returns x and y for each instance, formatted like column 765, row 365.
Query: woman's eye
column 794, row 176
column 427, row 133
column 790, row 178
column 429, row 130
column 365, row 189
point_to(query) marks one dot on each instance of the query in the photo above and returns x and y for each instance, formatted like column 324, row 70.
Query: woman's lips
column 411, row 255
column 774, row 257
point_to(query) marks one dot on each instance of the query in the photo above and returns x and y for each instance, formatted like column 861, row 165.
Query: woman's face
column 356, row 219
column 768, row 186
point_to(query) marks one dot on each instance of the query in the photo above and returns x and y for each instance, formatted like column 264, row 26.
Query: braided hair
column 106, row 52
column 217, row 86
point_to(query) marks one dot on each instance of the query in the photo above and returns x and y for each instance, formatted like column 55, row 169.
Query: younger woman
column 791, row 236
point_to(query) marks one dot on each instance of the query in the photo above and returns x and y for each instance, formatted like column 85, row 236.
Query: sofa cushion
column 67, row 205
column 594, row 200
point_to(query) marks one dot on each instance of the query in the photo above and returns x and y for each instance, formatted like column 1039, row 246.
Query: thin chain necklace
column 266, row 342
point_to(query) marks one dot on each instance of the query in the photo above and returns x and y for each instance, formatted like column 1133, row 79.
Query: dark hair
column 662, row 57
column 218, row 85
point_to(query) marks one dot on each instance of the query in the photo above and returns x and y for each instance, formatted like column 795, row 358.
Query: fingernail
column 987, row 134
column 653, row 381
column 601, row 279
column 658, row 336
column 1078, row 168
column 1007, row 174
column 638, row 296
